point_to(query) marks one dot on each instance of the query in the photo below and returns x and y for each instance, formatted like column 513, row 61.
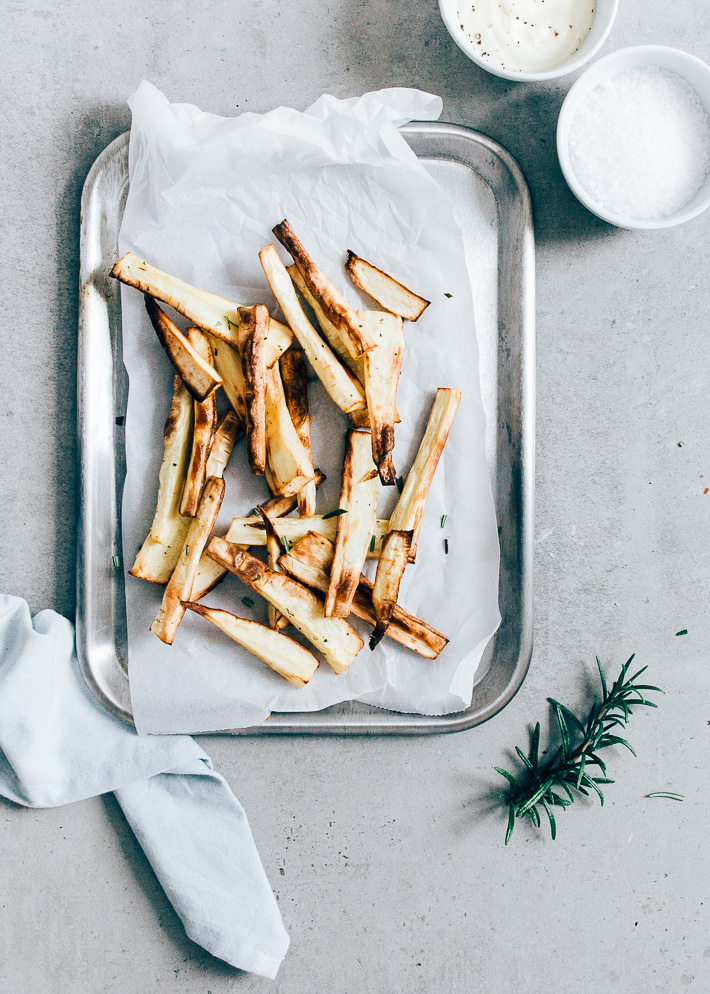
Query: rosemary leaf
column 523, row 757
column 573, row 716
column 603, row 678
column 334, row 514
column 535, row 744
column 551, row 817
column 508, row 776
column 511, row 823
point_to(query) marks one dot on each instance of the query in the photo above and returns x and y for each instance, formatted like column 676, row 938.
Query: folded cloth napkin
column 58, row 745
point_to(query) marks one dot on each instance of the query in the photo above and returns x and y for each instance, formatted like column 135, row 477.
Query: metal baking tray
column 481, row 176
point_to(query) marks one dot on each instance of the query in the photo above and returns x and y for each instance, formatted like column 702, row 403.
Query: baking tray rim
column 377, row 721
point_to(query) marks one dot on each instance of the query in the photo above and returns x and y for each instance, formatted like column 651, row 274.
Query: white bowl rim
column 568, row 109
column 449, row 8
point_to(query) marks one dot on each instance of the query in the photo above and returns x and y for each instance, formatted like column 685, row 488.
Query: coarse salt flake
column 640, row 143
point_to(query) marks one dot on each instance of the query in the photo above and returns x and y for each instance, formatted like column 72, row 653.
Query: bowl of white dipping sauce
column 529, row 40
column 633, row 137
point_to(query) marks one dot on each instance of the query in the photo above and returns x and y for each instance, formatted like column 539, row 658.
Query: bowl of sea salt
column 633, row 137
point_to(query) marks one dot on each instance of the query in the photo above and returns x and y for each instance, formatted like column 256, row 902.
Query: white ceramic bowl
column 694, row 70
column 604, row 16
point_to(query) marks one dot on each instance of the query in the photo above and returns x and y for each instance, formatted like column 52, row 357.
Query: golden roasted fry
column 204, row 428
column 211, row 313
column 400, row 544
column 253, row 330
column 359, row 488
column 390, row 570
column 329, row 330
column 229, row 366
column 338, row 311
column 295, row 382
column 209, row 574
column 274, row 619
column 387, row 291
column 333, row 637
column 199, row 377
column 180, row 584
column 408, row 513
column 382, row 369
column 161, row 550
column 250, row 531
column 280, row 653
column 310, row 560
column 274, row 549
column 290, row 463
column 343, row 388
column 224, row 439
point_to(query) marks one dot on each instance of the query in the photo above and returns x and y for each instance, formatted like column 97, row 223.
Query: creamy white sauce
column 526, row 35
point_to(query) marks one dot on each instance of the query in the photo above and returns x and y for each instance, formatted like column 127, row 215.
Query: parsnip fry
column 229, row 366
column 390, row 570
column 329, row 330
column 295, row 382
column 358, row 498
column 209, row 574
column 273, row 551
column 198, row 376
column 280, row 653
column 338, row 311
column 250, row 531
column 179, row 586
column 400, row 544
column 382, row 369
column 223, row 443
column 333, row 637
column 343, row 388
column 161, row 549
column 211, row 313
column 387, row 291
column 202, row 436
column 252, row 344
column 310, row 561
column 274, row 619
column 291, row 464
column 408, row 513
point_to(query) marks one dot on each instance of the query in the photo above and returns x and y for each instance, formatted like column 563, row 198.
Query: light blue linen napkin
column 58, row 745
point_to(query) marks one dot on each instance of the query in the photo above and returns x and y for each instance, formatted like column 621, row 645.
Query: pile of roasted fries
column 312, row 578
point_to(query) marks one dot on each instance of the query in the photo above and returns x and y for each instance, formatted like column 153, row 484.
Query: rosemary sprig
column 568, row 769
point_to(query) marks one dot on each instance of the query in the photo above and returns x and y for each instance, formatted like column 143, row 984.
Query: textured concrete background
column 387, row 855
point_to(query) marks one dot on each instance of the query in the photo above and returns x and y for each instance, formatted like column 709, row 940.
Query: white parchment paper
column 205, row 192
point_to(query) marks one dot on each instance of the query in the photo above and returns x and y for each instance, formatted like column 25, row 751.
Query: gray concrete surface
column 387, row 855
